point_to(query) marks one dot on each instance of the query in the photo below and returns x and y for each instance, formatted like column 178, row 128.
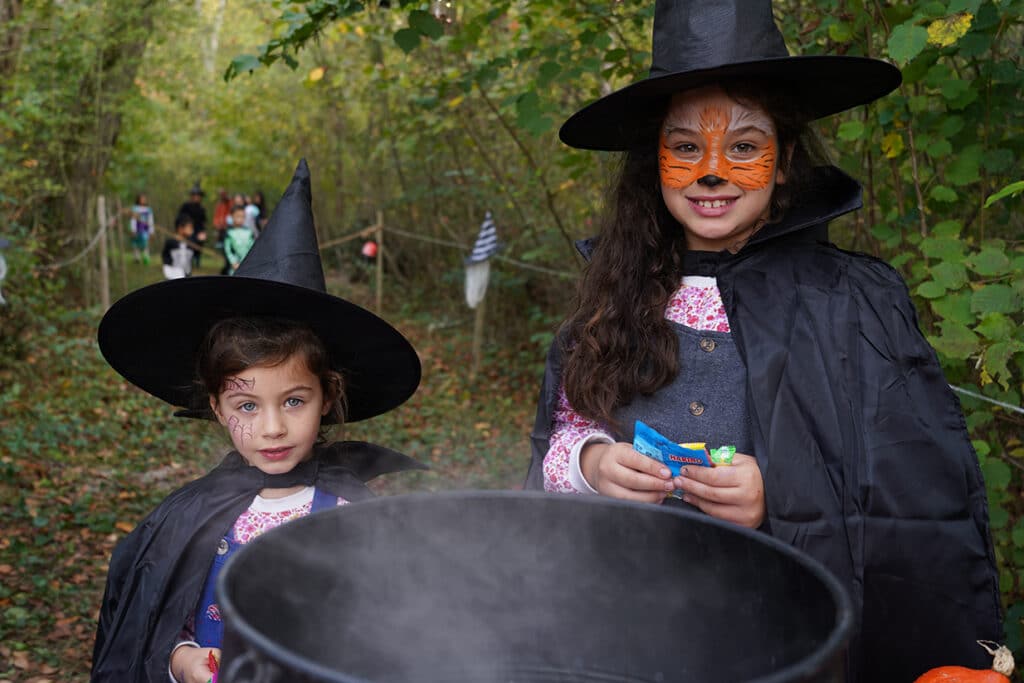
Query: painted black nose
column 710, row 180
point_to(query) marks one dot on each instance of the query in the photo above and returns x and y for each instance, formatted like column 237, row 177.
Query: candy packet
column 648, row 441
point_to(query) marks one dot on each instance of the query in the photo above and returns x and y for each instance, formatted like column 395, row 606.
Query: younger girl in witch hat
column 273, row 358
column 714, row 309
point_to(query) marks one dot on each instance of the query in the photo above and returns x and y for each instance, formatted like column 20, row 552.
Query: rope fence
column 378, row 229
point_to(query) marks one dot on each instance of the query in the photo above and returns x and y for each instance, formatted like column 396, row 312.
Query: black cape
column 158, row 570
column 863, row 448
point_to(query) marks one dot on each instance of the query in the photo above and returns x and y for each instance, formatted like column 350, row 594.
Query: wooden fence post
column 101, row 216
column 380, row 262
column 478, row 335
column 119, row 241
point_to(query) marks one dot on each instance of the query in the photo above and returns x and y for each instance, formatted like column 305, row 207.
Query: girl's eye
column 294, row 402
column 686, row 148
column 247, row 407
column 744, row 148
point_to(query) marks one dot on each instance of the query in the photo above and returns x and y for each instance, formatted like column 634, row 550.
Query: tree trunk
column 89, row 147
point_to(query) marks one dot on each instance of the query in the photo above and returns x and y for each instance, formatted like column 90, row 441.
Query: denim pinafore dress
column 209, row 629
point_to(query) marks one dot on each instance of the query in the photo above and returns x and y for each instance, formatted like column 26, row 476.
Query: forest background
column 432, row 123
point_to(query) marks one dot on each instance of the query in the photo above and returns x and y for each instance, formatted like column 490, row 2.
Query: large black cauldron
column 502, row 587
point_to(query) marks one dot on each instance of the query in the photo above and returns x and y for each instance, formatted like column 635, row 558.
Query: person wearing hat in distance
column 194, row 208
column 714, row 309
column 273, row 358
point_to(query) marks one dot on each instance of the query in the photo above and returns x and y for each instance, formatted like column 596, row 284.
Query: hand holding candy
column 617, row 470
column 212, row 663
column 734, row 493
column 191, row 664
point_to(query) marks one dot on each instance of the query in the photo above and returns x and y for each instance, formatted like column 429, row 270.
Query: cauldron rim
column 813, row 663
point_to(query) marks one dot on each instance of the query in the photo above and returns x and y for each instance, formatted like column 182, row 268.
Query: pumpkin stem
column 1002, row 661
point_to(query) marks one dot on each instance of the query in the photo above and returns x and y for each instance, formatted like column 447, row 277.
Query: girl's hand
column 618, row 471
column 191, row 664
column 734, row 493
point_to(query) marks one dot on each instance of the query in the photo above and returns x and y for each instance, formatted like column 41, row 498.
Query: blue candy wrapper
column 654, row 445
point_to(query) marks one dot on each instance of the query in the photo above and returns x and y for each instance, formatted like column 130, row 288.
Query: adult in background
column 714, row 309
column 221, row 211
column 193, row 208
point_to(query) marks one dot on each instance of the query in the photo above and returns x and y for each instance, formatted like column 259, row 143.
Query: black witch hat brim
column 169, row 320
column 821, row 86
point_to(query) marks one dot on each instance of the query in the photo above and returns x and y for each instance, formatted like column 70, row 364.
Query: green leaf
column 938, row 75
column 955, row 308
column 547, row 72
column 883, row 232
column 951, row 228
column 970, row 6
column 840, row 32
column 995, row 299
column 950, row 275
column 996, row 327
column 974, row 44
column 426, row 24
column 997, row 474
column 981, row 447
column 941, row 193
column 950, row 126
column 989, row 262
column 965, row 98
column 955, row 340
column 964, row 169
column 408, row 39
column 241, row 64
column 943, row 248
column 953, row 89
column 1013, row 189
column 931, row 289
column 851, row 130
column 939, row 149
column 997, row 160
column 907, row 41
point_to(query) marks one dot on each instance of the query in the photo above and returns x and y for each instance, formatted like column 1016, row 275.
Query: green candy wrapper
column 722, row 455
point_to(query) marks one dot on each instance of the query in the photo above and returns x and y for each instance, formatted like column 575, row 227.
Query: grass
column 85, row 455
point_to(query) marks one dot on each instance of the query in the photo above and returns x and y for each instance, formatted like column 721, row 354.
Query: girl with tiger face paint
column 717, row 160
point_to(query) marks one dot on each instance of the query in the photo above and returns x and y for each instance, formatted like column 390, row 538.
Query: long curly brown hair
column 617, row 342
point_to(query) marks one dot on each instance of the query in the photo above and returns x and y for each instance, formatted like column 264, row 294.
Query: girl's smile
column 712, row 207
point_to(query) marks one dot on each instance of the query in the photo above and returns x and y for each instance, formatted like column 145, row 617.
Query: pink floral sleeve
column 569, row 429
column 696, row 306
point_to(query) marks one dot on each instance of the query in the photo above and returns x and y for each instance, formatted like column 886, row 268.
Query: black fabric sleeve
column 546, row 402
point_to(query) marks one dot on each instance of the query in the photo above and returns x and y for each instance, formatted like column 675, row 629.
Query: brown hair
column 234, row 344
column 617, row 342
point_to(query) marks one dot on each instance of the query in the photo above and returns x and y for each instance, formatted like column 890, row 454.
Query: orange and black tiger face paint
column 722, row 140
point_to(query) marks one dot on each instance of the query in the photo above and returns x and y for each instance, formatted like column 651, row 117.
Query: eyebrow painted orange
column 712, row 128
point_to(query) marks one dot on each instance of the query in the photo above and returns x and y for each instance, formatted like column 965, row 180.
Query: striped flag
column 478, row 265
column 486, row 242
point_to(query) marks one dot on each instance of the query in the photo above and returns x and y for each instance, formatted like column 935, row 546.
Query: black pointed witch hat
column 703, row 42
column 151, row 335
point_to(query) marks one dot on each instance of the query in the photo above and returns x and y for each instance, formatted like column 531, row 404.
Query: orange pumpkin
column 1002, row 669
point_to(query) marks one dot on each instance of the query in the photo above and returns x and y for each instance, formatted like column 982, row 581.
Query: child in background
column 252, row 215
column 273, row 359
column 177, row 252
column 714, row 309
column 142, row 227
column 238, row 239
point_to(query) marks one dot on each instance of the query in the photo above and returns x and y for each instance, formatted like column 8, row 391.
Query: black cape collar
column 833, row 194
